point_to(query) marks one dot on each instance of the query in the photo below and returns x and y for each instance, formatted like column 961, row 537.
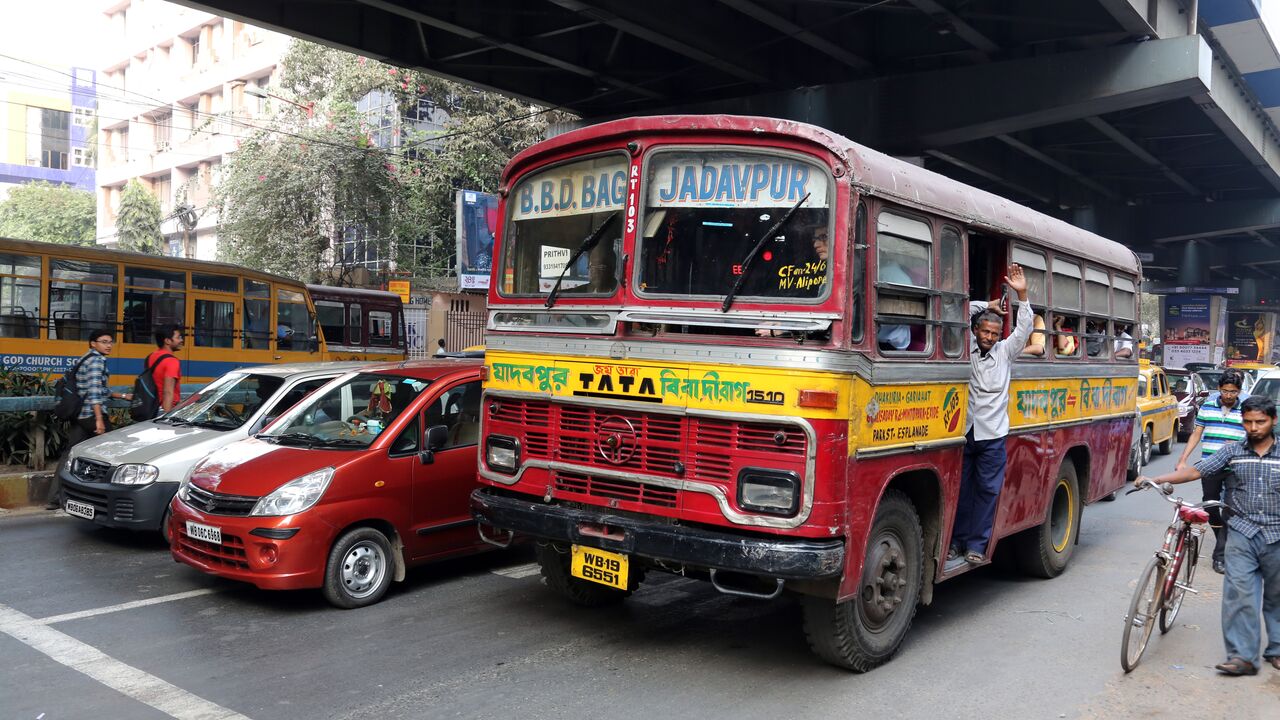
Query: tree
column 294, row 190
column 49, row 213
column 138, row 221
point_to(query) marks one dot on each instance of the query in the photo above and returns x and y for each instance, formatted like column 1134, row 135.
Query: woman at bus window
column 1063, row 342
column 1035, row 343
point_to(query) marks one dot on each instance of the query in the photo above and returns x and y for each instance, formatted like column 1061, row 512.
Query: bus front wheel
column 1045, row 550
column 865, row 631
column 557, row 576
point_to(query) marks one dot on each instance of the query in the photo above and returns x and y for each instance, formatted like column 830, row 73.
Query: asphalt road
column 482, row 638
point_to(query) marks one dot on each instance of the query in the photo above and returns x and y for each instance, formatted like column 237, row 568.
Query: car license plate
column 206, row 533
column 79, row 509
column 599, row 566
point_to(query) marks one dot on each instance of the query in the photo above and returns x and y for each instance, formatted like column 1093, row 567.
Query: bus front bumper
column 785, row 558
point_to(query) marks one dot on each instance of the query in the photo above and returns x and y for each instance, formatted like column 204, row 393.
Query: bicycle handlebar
column 1166, row 490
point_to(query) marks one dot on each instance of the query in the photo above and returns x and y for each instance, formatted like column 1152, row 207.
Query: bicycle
column 1167, row 578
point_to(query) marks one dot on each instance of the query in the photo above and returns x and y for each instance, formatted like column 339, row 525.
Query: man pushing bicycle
column 1252, row 580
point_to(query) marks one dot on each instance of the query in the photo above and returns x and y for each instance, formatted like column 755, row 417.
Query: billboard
column 477, row 223
column 1250, row 335
column 1188, row 330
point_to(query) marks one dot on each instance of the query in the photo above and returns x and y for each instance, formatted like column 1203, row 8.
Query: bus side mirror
column 437, row 438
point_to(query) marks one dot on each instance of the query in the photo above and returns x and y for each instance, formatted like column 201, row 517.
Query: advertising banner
column 477, row 222
column 1249, row 336
column 1188, row 329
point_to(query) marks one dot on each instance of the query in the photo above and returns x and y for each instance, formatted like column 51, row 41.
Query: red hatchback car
column 366, row 476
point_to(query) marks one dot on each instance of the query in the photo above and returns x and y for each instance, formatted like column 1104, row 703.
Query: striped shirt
column 1253, row 488
column 1221, row 426
column 93, row 382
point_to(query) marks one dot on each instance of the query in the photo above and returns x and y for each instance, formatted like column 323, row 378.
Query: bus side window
column 1067, row 321
column 904, row 276
column 1035, row 266
column 257, row 315
column 859, row 261
column 955, row 308
column 355, row 324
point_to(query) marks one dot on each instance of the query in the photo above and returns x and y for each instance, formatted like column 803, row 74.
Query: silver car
column 126, row 478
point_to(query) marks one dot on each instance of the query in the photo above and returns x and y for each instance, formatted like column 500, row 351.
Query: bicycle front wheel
column 1141, row 619
column 1175, row 589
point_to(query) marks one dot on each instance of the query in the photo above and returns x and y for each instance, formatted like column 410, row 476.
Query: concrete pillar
column 1192, row 270
column 1248, row 291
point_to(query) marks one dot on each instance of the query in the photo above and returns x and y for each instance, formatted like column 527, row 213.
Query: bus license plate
column 206, row 533
column 600, row 566
column 79, row 509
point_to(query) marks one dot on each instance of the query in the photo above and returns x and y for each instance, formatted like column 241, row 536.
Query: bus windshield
column 705, row 210
column 552, row 212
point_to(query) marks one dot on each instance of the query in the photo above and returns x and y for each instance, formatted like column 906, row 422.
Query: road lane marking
column 121, row 677
column 65, row 617
column 518, row 571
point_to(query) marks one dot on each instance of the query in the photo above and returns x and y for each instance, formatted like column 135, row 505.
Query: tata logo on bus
column 951, row 409
column 734, row 181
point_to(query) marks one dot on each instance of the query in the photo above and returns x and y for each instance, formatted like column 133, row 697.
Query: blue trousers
column 981, row 478
column 1251, row 585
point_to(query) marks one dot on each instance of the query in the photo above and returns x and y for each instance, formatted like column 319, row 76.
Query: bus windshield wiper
column 587, row 244
column 755, row 250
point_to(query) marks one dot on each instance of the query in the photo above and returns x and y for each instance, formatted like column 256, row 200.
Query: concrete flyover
column 1112, row 114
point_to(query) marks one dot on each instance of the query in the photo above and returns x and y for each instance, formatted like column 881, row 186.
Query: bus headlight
column 135, row 475
column 776, row 492
column 502, row 453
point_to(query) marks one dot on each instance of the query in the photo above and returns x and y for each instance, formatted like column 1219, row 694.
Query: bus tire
column 865, row 631
column 556, row 575
column 1166, row 446
column 1045, row 550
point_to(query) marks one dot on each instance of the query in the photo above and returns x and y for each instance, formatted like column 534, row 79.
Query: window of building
column 80, row 157
column 162, row 132
column 82, row 116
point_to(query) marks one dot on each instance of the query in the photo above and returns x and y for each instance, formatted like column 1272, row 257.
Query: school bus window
column 257, row 315
column 152, row 298
column 955, row 306
column 82, row 297
column 215, row 283
column 706, row 209
column 380, row 328
column 331, row 316
column 19, row 296
column 293, row 320
column 904, row 262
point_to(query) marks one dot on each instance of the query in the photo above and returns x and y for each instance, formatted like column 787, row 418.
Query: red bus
column 737, row 349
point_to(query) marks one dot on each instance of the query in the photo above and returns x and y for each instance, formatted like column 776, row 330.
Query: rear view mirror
column 437, row 438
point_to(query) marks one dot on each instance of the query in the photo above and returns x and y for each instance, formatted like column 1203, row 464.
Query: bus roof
column 874, row 173
column 125, row 256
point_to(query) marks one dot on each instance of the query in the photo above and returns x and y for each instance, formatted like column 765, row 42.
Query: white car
column 126, row 478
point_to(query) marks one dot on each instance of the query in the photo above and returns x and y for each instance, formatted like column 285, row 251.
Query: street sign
column 1146, row 257
column 401, row 288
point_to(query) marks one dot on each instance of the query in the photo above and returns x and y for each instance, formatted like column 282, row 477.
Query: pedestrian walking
column 987, row 423
column 1218, row 423
column 440, row 346
column 93, row 384
column 1252, row 583
column 167, row 367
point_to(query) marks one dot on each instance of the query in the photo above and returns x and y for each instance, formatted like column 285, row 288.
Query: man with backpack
column 164, row 370
column 91, row 382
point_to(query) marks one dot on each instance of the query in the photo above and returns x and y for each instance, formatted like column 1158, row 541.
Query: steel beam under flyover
column 1167, row 223
column 909, row 114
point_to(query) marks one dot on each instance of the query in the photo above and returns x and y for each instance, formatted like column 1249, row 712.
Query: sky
column 27, row 30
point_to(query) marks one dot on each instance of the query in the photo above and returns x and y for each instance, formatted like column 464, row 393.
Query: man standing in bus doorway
column 987, row 421
column 1218, row 423
column 168, row 368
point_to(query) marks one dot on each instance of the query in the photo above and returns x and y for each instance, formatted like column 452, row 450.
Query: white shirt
column 1124, row 341
column 989, row 377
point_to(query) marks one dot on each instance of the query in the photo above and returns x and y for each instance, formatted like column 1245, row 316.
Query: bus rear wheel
column 865, row 631
column 1044, row 551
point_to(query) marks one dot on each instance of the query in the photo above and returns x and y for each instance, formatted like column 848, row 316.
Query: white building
column 177, row 94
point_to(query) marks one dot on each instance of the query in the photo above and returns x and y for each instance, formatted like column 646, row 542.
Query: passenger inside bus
column 1064, row 341
column 1035, row 343
column 1095, row 337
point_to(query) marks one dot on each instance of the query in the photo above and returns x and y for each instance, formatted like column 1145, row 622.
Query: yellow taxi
column 1252, row 370
column 1157, row 410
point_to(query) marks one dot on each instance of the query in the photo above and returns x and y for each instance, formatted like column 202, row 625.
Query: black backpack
column 67, row 400
column 146, row 396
